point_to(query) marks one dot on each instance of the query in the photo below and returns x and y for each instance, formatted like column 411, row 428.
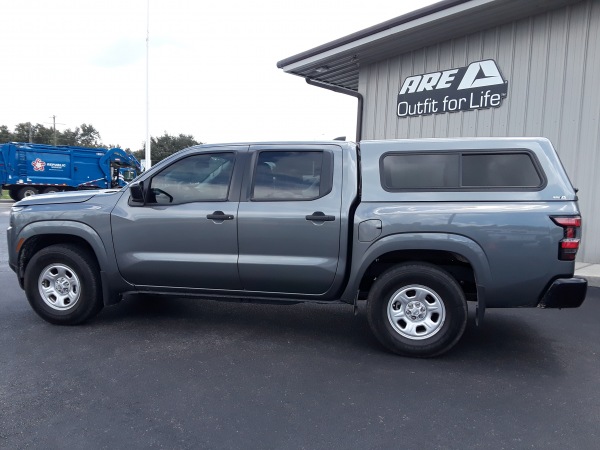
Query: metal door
column 289, row 223
column 186, row 233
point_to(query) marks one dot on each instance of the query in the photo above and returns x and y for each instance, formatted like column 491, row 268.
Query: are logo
column 477, row 86
column 38, row 165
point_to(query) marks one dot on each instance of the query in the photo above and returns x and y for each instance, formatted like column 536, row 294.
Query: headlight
column 13, row 211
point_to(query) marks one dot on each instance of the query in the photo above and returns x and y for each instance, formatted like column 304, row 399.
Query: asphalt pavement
column 182, row 373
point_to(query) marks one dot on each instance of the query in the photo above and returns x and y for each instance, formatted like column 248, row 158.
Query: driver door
column 185, row 235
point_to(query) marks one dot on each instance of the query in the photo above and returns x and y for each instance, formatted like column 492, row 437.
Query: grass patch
column 5, row 195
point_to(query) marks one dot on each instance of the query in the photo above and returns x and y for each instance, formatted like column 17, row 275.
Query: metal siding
column 432, row 62
column 555, row 84
column 486, row 117
column 538, row 76
column 505, row 54
column 552, row 64
column 445, row 60
column 391, row 124
column 383, row 99
column 519, row 83
column 589, row 135
column 574, row 62
column 370, row 103
column 459, row 58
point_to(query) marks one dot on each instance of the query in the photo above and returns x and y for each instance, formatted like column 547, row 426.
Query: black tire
column 14, row 194
column 62, row 284
column 26, row 191
column 50, row 190
column 417, row 309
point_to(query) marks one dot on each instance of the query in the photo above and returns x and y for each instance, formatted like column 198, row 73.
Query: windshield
column 127, row 174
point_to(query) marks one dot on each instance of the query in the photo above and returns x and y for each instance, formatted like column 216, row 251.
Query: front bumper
column 564, row 293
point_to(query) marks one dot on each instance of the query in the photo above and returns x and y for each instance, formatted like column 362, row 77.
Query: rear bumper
column 564, row 293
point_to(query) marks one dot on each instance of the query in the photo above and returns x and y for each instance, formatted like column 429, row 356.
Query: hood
column 58, row 197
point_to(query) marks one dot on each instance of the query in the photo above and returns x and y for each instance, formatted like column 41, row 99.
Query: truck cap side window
column 198, row 178
column 499, row 170
column 455, row 171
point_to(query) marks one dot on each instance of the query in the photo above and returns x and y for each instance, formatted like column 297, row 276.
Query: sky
column 212, row 66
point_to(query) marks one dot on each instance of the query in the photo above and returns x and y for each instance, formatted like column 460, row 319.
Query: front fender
column 455, row 243
column 68, row 227
column 112, row 283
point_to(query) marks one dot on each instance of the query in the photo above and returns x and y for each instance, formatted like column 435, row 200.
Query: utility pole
column 53, row 117
column 54, row 127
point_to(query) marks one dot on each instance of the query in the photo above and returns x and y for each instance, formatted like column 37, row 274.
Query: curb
column 592, row 279
column 589, row 271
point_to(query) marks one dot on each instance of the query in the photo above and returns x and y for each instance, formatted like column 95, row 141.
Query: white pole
column 148, row 142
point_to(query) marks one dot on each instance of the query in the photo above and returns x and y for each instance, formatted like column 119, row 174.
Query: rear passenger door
column 289, row 219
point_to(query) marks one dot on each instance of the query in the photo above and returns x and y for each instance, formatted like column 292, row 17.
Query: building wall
column 552, row 64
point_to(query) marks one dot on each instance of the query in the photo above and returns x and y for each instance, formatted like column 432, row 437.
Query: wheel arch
column 460, row 256
column 39, row 235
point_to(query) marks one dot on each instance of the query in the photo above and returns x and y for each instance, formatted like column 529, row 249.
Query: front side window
column 197, row 178
column 287, row 175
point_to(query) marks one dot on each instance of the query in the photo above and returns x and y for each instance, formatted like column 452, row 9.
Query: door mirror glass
column 137, row 192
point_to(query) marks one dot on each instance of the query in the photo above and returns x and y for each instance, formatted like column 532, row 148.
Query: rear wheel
column 50, row 190
column 417, row 310
column 62, row 284
column 25, row 192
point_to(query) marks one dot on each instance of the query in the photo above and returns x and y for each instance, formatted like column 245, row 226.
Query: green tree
column 21, row 133
column 68, row 137
column 88, row 136
column 42, row 134
column 166, row 145
column 5, row 134
column 84, row 136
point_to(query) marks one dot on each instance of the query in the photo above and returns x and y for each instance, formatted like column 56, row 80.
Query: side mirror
column 137, row 192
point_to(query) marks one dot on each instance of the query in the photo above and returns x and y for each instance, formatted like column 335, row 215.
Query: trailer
column 30, row 169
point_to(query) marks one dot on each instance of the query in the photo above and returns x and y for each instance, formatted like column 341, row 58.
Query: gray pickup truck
column 415, row 227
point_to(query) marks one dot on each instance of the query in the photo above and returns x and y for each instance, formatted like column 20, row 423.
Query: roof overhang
column 337, row 63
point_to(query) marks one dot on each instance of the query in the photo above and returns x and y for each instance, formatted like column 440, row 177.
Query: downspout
column 341, row 90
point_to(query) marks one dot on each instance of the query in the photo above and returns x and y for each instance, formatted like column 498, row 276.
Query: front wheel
column 25, row 192
column 62, row 284
column 417, row 310
column 14, row 194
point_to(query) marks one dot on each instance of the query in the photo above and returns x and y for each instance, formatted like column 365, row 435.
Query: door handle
column 219, row 215
column 318, row 216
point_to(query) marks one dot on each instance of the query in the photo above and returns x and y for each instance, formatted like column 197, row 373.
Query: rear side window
column 472, row 170
column 291, row 175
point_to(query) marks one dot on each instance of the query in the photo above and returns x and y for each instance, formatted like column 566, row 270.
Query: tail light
column 569, row 244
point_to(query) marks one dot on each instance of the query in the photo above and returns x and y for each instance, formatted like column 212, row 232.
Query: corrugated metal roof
column 337, row 62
